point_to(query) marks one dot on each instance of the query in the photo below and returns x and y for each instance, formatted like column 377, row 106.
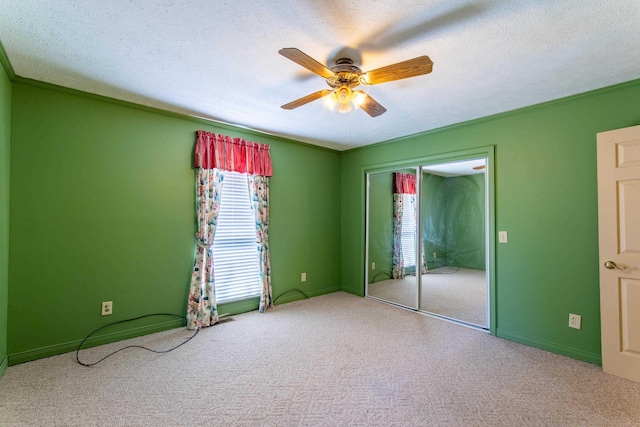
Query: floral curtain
column 213, row 155
column 259, row 193
column 403, row 183
column 201, row 308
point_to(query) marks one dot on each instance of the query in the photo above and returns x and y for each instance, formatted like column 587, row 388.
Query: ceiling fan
column 345, row 77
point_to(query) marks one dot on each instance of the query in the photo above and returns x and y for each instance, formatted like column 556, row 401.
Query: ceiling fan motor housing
column 345, row 74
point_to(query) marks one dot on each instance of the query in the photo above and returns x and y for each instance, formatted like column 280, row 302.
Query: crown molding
column 193, row 118
column 6, row 64
column 500, row 115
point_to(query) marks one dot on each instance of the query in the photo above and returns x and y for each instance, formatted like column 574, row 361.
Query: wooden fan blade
column 306, row 61
column 306, row 99
column 372, row 107
column 401, row 70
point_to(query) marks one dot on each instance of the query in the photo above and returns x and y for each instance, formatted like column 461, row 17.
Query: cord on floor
column 379, row 273
column 290, row 290
column 133, row 346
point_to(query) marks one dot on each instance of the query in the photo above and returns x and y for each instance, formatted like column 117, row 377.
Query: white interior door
column 619, row 233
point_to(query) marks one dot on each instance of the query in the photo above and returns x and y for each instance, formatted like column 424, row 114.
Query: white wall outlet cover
column 575, row 321
column 107, row 308
column 503, row 237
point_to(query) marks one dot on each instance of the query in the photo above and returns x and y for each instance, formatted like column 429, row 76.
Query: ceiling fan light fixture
column 330, row 101
column 344, row 95
column 358, row 98
column 345, row 99
column 344, row 107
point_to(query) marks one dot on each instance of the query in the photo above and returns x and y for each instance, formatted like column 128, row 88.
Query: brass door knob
column 612, row 265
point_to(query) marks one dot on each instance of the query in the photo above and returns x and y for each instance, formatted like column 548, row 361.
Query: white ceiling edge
column 218, row 62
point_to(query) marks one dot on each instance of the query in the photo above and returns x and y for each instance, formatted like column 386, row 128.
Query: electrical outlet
column 303, row 277
column 107, row 308
column 575, row 321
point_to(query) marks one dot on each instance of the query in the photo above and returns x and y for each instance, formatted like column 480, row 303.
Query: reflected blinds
column 408, row 236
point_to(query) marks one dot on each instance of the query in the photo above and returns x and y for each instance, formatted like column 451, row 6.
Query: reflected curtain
column 423, row 266
column 213, row 155
column 397, row 260
column 403, row 183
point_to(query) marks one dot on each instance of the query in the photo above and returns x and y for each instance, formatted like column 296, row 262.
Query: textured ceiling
column 219, row 59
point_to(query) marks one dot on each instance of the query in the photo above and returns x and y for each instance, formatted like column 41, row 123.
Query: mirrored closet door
column 454, row 231
column 427, row 243
column 392, row 237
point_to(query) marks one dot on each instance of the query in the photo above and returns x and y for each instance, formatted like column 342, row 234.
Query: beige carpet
column 456, row 293
column 334, row 360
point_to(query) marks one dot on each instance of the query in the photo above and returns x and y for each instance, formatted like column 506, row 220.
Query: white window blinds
column 235, row 255
column 408, row 236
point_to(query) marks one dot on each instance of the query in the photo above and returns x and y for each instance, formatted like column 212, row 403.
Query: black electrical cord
column 381, row 272
column 290, row 290
column 133, row 346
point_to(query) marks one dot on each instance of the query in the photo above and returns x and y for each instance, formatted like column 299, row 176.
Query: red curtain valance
column 404, row 183
column 231, row 154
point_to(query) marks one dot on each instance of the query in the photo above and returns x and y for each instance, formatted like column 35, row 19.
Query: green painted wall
column 453, row 221
column 5, row 137
column 546, row 198
column 102, row 209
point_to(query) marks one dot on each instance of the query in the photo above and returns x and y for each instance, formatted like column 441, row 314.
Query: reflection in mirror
column 392, row 235
column 454, row 225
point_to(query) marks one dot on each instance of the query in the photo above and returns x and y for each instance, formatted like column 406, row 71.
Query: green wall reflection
column 453, row 221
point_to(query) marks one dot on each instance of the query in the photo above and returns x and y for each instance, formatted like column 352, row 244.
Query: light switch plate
column 503, row 237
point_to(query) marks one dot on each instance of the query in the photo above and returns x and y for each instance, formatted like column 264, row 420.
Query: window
column 408, row 236
column 235, row 255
